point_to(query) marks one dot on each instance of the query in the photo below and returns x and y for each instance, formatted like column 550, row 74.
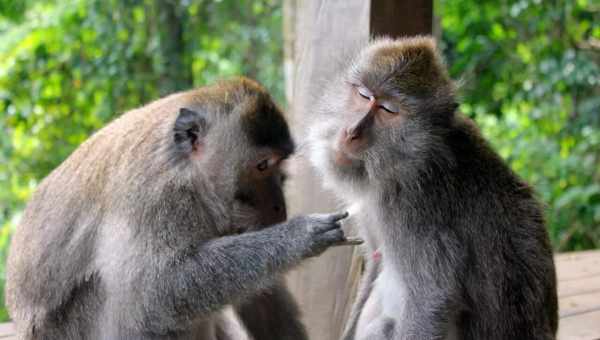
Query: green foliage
column 531, row 78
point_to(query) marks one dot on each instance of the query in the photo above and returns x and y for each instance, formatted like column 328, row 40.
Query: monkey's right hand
column 317, row 232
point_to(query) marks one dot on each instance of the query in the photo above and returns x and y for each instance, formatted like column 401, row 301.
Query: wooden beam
column 323, row 32
column 323, row 285
column 401, row 18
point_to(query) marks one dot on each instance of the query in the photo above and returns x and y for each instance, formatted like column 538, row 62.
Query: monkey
column 168, row 223
column 455, row 243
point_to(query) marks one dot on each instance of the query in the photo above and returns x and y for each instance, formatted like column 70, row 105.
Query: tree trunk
column 175, row 73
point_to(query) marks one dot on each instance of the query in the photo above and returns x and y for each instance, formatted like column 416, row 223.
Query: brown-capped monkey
column 168, row 224
column 455, row 242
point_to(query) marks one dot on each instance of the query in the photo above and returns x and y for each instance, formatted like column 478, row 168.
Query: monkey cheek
column 341, row 158
column 345, row 155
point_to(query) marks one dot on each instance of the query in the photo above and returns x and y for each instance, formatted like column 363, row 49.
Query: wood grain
column 323, row 29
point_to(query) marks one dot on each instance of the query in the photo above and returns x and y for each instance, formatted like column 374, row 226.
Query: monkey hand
column 317, row 232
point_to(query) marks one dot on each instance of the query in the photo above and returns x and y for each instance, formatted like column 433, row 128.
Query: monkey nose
column 351, row 133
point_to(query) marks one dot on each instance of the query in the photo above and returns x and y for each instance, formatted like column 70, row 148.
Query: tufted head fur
column 410, row 73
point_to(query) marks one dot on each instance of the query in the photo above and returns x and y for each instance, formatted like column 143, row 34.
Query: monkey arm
column 273, row 314
column 222, row 271
column 229, row 269
column 365, row 288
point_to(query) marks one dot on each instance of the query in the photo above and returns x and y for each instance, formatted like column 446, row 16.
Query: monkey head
column 233, row 139
column 385, row 115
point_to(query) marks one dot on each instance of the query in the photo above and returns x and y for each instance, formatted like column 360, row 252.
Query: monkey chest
column 391, row 290
column 389, row 300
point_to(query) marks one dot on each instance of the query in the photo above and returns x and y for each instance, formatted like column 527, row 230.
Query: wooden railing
column 578, row 292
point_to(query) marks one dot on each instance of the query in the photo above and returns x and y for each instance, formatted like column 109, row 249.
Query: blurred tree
column 176, row 71
column 531, row 78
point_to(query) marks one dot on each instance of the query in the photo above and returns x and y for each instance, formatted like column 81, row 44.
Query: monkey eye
column 389, row 108
column 263, row 165
column 363, row 92
column 266, row 163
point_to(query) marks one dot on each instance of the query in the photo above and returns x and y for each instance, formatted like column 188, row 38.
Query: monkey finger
column 338, row 216
column 333, row 236
column 350, row 241
column 325, row 227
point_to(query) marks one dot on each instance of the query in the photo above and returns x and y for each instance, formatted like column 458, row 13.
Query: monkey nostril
column 350, row 134
column 277, row 208
column 353, row 135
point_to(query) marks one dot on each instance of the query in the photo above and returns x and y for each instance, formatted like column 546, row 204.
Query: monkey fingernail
column 340, row 216
column 354, row 240
column 351, row 241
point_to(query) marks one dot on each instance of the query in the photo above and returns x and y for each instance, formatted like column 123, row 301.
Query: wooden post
column 401, row 17
column 325, row 286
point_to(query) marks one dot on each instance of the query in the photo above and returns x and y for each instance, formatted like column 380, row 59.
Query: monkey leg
column 365, row 290
column 272, row 314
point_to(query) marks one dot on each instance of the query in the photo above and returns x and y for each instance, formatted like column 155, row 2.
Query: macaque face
column 383, row 117
column 368, row 112
column 238, row 154
column 358, row 126
column 259, row 195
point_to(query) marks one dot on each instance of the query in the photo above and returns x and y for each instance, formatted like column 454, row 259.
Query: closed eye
column 364, row 93
column 263, row 165
column 387, row 109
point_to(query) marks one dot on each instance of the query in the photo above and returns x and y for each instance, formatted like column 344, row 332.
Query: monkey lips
column 344, row 153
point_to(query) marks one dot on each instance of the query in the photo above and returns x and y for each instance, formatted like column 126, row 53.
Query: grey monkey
column 455, row 242
column 168, row 224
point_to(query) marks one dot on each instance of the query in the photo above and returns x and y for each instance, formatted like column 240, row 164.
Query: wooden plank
column 578, row 265
column 584, row 285
column 578, row 273
column 323, row 285
column 7, row 331
column 579, row 295
column 579, row 304
column 577, row 255
column 580, row 327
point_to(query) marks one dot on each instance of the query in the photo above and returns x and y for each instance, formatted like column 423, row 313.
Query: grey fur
column 133, row 238
column 465, row 253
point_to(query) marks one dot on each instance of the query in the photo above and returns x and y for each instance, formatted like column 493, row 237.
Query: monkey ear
column 190, row 129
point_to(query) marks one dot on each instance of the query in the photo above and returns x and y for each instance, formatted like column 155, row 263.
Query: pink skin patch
column 377, row 255
column 342, row 159
column 197, row 150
